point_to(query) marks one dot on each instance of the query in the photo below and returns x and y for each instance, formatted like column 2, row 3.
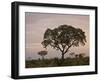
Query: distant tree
column 81, row 55
column 42, row 54
column 76, row 56
column 63, row 38
column 29, row 58
column 72, row 54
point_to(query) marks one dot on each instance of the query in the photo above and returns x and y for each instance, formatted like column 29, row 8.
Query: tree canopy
column 42, row 53
column 64, row 37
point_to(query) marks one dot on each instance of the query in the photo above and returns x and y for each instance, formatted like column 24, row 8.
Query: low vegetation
column 55, row 62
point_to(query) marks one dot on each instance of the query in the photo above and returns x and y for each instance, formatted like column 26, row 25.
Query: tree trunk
column 62, row 57
column 42, row 57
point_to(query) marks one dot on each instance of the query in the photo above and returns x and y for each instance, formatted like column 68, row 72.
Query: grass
column 55, row 62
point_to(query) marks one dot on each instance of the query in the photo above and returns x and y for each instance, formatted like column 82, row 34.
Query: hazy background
column 37, row 23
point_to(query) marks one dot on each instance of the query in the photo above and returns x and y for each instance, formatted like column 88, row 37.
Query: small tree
column 76, row 56
column 42, row 54
column 81, row 55
column 63, row 38
column 72, row 54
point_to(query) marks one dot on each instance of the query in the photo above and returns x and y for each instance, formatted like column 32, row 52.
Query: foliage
column 63, row 38
column 42, row 53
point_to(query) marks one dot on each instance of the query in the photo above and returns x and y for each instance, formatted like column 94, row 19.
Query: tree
column 81, row 55
column 42, row 54
column 72, row 54
column 63, row 38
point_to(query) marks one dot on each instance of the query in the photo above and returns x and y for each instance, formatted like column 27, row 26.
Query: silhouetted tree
column 76, row 56
column 72, row 54
column 29, row 58
column 63, row 38
column 42, row 54
column 81, row 55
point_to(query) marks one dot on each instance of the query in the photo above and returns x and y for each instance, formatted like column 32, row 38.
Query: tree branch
column 63, row 47
column 69, row 47
column 59, row 48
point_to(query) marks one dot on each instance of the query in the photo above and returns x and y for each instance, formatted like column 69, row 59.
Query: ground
column 56, row 62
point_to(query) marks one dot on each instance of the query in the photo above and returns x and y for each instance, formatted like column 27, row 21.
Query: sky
column 36, row 25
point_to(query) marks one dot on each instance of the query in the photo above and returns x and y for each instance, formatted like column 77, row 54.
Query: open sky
column 37, row 23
